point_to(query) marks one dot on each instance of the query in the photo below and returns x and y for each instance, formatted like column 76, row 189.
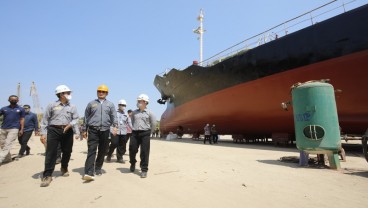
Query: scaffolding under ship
column 242, row 94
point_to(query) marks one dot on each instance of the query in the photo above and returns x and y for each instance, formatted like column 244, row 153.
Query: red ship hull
column 253, row 108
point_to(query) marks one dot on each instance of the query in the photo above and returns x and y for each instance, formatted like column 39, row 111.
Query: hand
column 76, row 136
column 67, row 127
column 84, row 135
column 20, row 133
column 43, row 139
column 114, row 131
column 37, row 133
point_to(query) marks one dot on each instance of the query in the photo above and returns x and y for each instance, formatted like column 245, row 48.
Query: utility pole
column 200, row 32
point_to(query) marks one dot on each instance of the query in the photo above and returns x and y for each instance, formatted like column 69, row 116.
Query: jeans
column 118, row 142
column 207, row 137
column 7, row 138
column 54, row 137
column 215, row 138
column 142, row 139
column 96, row 139
column 23, row 141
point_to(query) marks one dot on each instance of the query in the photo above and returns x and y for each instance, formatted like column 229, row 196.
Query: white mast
column 200, row 32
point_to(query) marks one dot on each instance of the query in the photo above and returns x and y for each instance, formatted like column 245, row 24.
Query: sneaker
column 99, row 172
column 88, row 178
column 46, row 181
column 58, row 160
column 64, row 172
column 108, row 158
column 144, row 175
column 132, row 167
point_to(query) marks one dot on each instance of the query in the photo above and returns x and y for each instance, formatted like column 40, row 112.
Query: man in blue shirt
column 30, row 124
column 13, row 125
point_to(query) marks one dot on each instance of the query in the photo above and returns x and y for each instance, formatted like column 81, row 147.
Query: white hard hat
column 62, row 88
column 122, row 102
column 143, row 97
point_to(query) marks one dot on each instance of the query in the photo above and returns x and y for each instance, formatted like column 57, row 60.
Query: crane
column 36, row 101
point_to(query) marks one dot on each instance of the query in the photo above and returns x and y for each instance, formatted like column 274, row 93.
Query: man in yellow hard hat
column 99, row 116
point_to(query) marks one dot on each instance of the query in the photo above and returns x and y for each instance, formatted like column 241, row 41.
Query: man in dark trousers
column 30, row 124
column 12, row 127
column 143, row 122
column 59, row 123
column 99, row 116
column 119, row 141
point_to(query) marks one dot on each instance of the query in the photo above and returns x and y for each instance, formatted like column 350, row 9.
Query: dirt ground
column 187, row 173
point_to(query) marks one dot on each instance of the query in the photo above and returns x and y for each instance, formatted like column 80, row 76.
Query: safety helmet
column 143, row 97
column 62, row 88
column 103, row 88
column 122, row 102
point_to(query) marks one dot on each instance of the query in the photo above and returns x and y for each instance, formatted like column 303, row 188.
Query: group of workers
column 60, row 124
column 210, row 134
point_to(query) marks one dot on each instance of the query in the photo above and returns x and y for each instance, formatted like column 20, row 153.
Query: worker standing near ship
column 30, row 125
column 144, row 122
column 207, row 134
column 99, row 116
column 214, row 134
column 59, row 123
column 12, row 127
column 118, row 141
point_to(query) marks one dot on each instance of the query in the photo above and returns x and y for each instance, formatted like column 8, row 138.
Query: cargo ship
column 242, row 94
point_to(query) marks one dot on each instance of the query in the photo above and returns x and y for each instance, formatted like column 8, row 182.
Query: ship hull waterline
column 253, row 108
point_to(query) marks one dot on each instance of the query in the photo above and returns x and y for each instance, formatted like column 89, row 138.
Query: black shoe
column 98, row 172
column 120, row 161
column 132, row 167
column 64, row 172
column 108, row 158
column 28, row 151
column 58, row 160
column 144, row 175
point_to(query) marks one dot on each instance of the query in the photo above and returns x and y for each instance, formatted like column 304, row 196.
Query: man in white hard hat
column 59, row 123
column 144, row 123
column 119, row 140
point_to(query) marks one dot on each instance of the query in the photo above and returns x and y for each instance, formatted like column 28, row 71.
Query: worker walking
column 100, row 115
column 207, row 134
column 12, row 127
column 214, row 134
column 59, row 123
column 144, row 123
column 30, row 125
column 119, row 140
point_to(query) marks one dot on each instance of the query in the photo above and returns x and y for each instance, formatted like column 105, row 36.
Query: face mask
column 26, row 110
column 68, row 97
column 13, row 102
column 122, row 108
column 139, row 105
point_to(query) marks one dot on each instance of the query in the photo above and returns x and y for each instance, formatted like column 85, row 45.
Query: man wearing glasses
column 11, row 128
column 99, row 116
column 59, row 123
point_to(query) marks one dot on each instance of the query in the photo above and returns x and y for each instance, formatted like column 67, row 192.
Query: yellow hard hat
column 103, row 88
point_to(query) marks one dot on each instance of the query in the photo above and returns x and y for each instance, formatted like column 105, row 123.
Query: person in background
column 144, row 123
column 12, row 127
column 59, row 123
column 30, row 125
column 99, row 116
column 214, row 134
column 129, row 129
column 119, row 140
column 207, row 134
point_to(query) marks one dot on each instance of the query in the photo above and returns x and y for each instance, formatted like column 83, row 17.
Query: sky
column 122, row 44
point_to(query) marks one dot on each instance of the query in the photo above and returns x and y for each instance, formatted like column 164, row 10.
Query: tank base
column 334, row 160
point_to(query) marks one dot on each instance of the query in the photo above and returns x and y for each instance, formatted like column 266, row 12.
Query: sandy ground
column 186, row 173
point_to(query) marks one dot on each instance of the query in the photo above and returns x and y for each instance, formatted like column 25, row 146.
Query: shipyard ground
column 187, row 173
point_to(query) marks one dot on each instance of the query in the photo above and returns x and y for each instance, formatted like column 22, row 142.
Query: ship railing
column 309, row 18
